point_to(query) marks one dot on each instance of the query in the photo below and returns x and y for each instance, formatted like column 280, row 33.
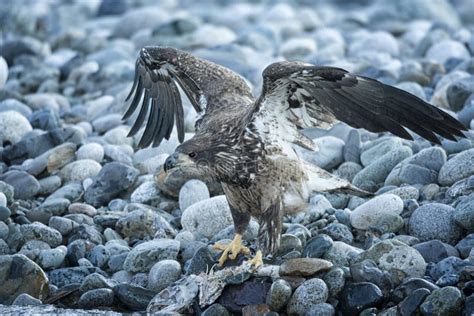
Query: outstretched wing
column 158, row 72
column 310, row 96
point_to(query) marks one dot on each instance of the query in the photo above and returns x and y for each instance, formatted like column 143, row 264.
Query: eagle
column 247, row 143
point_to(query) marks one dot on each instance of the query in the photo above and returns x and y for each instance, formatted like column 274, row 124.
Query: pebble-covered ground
column 85, row 224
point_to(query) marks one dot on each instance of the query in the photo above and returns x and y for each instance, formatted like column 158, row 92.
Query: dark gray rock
column 96, row 298
column 409, row 286
column 25, row 185
column 444, row 301
column 358, row 296
column 434, row 250
column 279, row 295
column 216, row 310
column 465, row 245
column 450, row 265
column 317, row 246
column 134, row 297
column 18, row 275
column 113, row 179
column 26, row 300
column 463, row 214
column 411, row 304
column 65, row 276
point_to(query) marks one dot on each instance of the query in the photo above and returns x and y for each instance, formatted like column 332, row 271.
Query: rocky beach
column 90, row 223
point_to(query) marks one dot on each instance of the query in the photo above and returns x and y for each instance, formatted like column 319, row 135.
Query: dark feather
column 359, row 101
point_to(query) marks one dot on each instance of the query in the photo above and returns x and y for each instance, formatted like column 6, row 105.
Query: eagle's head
column 205, row 156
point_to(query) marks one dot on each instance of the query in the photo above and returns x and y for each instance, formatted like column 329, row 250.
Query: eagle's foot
column 256, row 261
column 231, row 250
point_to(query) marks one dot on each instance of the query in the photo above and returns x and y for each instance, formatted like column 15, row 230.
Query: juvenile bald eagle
column 246, row 143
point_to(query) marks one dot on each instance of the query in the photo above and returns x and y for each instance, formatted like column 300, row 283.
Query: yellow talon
column 235, row 247
column 257, row 260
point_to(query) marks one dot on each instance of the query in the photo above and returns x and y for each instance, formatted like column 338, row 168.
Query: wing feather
column 158, row 72
column 327, row 94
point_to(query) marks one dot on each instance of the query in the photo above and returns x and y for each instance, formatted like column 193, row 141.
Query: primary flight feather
column 246, row 143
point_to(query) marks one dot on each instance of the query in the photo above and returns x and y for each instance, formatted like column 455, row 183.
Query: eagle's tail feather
column 270, row 229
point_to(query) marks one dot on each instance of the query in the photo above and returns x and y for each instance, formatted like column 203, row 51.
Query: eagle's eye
column 192, row 154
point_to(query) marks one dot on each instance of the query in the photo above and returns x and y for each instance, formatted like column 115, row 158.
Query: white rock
column 146, row 192
column 80, row 170
column 3, row 200
column 162, row 274
column 377, row 41
column 298, row 48
column 459, row 167
column 3, row 72
column 192, row 192
column 206, row 218
column 446, row 49
column 371, row 211
column 92, row 151
column 13, row 126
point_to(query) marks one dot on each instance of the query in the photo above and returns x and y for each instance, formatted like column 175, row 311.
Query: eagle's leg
column 232, row 250
column 257, row 260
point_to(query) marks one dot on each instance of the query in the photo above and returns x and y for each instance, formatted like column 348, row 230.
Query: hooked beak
column 176, row 160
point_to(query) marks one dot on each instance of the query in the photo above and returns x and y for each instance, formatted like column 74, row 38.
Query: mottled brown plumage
column 247, row 143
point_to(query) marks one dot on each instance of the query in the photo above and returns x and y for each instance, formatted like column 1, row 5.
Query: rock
column 375, row 174
column 38, row 231
column 8, row 190
column 52, row 258
column 304, row 266
column 444, row 301
column 96, row 298
column 465, row 245
column 298, row 48
column 65, row 276
column 397, row 258
column 373, row 153
column 469, row 305
column 139, row 224
column 162, row 274
column 321, row 309
column 4, row 212
column 317, row 246
column 463, row 214
column 434, row 250
column 206, row 218
column 112, row 179
column 143, row 256
column 434, row 221
column 147, row 192
column 409, row 286
column 92, row 151
column 329, row 154
column 216, row 310
column 376, row 41
column 339, row 232
column 21, row 275
column 318, row 205
column 13, row 126
column 235, row 297
column 86, row 232
column 3, row 72
column 411, row 304
column 447, row 266
column 99, row 256
column 458, row 92
column 202, row 259
column 457, row 168
column 352, row 147
column 15, row 105
column 310, row 292
column 137, row 19
column 134, row 297
column 25, row 299
column 340, row 254
column 80, row 170
column 421, row 168
column 63, row 225
column 24, row 185
column 358, row 296
column 348, row 170
column 373, row 211
column 279, row 295
column 96, row 281
column 443, row 51
column 46, row 119
column 192, row 192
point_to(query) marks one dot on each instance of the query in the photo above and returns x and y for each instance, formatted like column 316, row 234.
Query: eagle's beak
column 176, row 160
